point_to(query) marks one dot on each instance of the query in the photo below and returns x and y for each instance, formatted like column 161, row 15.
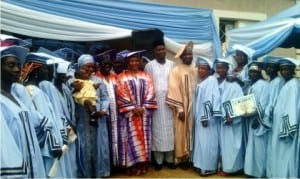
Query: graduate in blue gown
column 231, row 134
column 16, row 166
column 93, row 141
column 16, row 115
column 271, row 66
column 207, row 113
column 286, row 120
column 69, row 111
column 59, row 105
column 256, row 148
column 35, row 71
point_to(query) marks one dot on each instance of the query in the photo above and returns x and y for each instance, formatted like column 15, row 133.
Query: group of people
column 107, row 112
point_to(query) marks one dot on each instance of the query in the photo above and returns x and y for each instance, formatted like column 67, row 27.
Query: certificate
column 240, row 106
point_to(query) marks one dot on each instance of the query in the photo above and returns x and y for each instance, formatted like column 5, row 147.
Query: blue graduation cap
column 15, row 51
column 122, row 55
column 255, row 65
column 272, row 59
column 289, row 62
column 36, row 58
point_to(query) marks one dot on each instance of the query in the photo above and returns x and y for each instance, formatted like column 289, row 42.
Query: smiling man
column 182, row 82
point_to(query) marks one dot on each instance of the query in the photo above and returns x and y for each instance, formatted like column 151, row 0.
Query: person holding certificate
column 231, row 134
column 255, row 157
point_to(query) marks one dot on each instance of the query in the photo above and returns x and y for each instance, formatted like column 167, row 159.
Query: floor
column 172, row 173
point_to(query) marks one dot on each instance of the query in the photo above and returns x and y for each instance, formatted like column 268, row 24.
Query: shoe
column 184, row 165
column 171, row 165
column 222, row 173
column 157, row 167
column 205, row 173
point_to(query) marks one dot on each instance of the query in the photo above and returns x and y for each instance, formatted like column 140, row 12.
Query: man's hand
column 181, row 116
column 228, row 121
column 139, row 111
column 204, row 123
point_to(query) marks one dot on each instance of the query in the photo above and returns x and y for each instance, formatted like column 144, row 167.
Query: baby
column 87, row 95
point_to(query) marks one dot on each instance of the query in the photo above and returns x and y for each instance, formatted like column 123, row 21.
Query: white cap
column 63, row 67
column 248, row 51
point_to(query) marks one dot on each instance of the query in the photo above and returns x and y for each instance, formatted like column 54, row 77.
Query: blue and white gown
column 274, row 88
column 206, row 139
column 256, row 149
column 52, row 141
column 231, row 136
column 18, row 120
column 285, row 137
column 11, row 167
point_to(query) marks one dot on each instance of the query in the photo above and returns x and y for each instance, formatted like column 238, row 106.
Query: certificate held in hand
column 245, row 105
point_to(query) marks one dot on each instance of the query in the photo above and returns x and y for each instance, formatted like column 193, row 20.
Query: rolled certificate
column 53, row 169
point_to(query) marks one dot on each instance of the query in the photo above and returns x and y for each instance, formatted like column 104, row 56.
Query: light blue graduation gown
column 274, row 88
column 206, row 139
column 53, row 139
column 231, row 136
column 256, row 149
column 285, row 137
column 11, row 167
column 18, row 119
column 70, row 110
column 93, row 143
column 63, row 115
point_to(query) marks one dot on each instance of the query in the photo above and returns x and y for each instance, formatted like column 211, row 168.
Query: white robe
column 162, row 119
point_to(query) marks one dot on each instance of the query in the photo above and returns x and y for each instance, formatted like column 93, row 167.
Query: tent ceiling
column 280, row 30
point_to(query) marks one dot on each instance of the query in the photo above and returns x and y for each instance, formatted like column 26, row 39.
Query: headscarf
column 85, row 59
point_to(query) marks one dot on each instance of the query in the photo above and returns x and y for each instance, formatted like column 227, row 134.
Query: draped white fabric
column 39, row 24
column 281, row 30
column 35, row 20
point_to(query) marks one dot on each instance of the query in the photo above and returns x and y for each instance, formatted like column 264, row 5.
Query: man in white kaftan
column 162, row 120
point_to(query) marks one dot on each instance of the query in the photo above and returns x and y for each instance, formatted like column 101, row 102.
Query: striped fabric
column 134, row 131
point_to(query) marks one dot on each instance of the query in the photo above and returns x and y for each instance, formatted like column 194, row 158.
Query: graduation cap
column 204, row 61
column 255, row 65
column 14, row 51
column 122, row 55
column 246, row 50
column 289, row 62
column 8, row 40
column 139, row 53
column 108, row 54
